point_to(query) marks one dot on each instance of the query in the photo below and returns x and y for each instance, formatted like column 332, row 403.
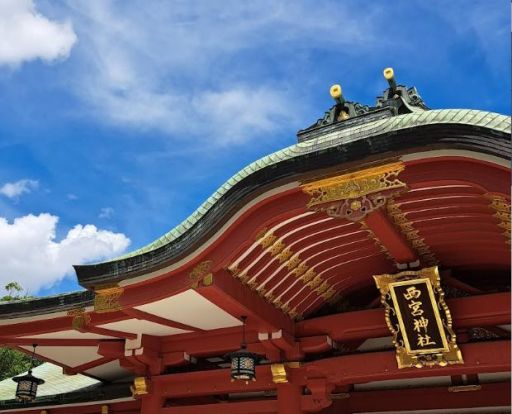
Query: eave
column 481, row 132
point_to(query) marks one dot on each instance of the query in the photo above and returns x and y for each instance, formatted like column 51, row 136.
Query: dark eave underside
column 391, row 144
column 49, row 304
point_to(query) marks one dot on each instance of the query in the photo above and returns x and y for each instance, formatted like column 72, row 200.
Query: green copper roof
column 475, row 118
column 55, row 382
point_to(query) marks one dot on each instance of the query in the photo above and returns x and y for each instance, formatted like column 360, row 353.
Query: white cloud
column 184, row 69
column 106, row 213
column 26, row 35
column 31, row 255
column 14, row 190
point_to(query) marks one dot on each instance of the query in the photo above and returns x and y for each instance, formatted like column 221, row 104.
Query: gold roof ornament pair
column 337, row 93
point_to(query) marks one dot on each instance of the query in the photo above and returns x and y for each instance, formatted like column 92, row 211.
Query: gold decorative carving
column 278, row 373
column 410, row 233
column 355, row 195
column 261, row 233
column 323, row 287
column 300, row 269
column 313, row 284
column 284, row 255
column 501, row 207
column 309, row 275
column 277, row 247
column 293, row 262
column 376, row 240
column 107, row 299
column 329, row 295
column 140, row 387
column 294, row 314
column 267, row 241
column 201, row 274
column 80, row 318
column 423, row 335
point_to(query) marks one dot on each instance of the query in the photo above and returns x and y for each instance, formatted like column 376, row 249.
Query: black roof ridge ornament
column 396, row 100
column 402, row 98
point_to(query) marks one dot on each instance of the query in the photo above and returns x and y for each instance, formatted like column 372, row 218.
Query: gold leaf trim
column 201, row 274
column 107, row 300
column 411, row 234
column 355, row 184
column 450, row 354
column 80, row 318
column 501, row 207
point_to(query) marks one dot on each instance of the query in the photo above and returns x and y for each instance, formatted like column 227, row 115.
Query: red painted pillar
column 152, row 402
column 289, row 398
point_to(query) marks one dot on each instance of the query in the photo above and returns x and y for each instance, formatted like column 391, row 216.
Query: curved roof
column 285, row 239
column 480, row 131
column 474, row 118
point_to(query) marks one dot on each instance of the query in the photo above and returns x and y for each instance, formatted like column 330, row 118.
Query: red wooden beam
column 490, row 395
column 212, row 382
column 141, row 315
column 108, row 332
column 53, row 342
column 315, row 344
column 38, row 327
column 89, row 365
column 237, row 299
column 390, row 237
column 173, row 359
column 40, row 357
column 467, row 312
column 344, row 370
column 117, row 407
column 244, row 407
column 380, row 366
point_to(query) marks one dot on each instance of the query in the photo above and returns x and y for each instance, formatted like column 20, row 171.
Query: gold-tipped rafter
column 297, row 267
column 501, row 207
column 410, row 233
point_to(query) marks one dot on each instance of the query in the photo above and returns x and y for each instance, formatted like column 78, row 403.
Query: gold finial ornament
column 389, row 73
column 336, row 91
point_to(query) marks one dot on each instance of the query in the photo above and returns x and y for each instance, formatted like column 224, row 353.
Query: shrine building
column 364, row 269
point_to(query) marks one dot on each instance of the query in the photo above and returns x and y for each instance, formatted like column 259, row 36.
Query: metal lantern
column 243, row 365
column 243, row 362
column 27, row 384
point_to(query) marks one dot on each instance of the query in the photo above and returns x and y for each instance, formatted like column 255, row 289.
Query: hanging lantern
column 27, row 384
column 243, row 362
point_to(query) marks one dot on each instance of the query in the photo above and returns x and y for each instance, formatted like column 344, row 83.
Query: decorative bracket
column 354, row 195
column 140, row 387
column 201, row 274
column 106, row 299
column 80, row 318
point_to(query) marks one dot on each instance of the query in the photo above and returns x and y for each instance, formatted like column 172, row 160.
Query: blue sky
column 118, row 118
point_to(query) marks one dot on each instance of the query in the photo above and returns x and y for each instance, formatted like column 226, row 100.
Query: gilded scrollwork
column 353, row 196
column 80, row 318
column 411, row 234
column 501, row 207
column 201, row 274
column 107, row 299
column 294, row 264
